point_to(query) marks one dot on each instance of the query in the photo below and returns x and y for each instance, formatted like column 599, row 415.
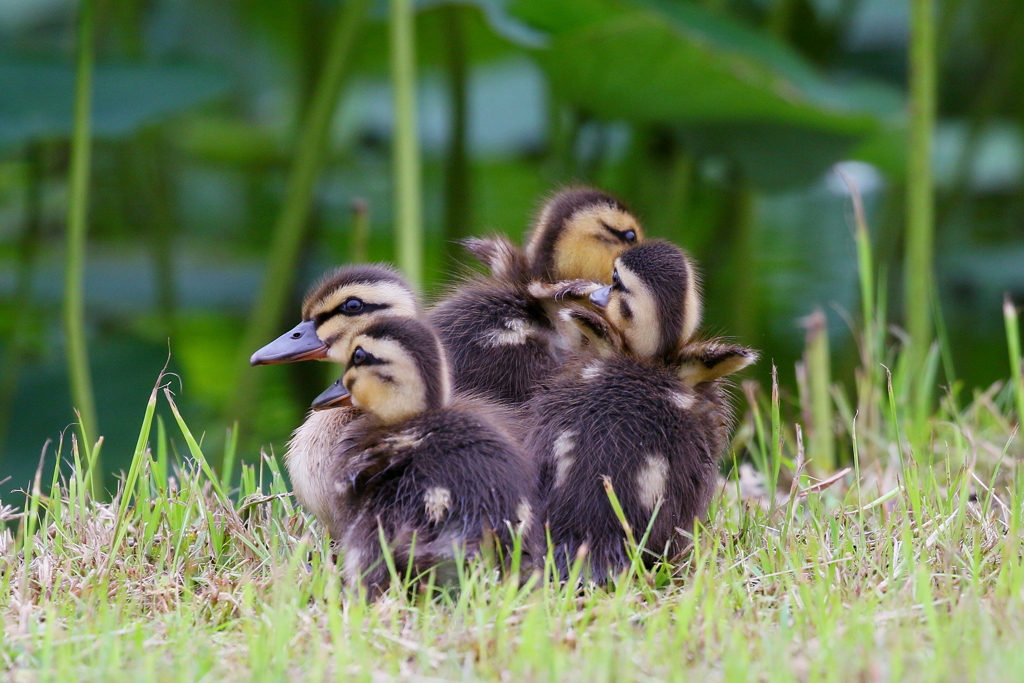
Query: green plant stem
column 920, row 186
column 819, row 375
column 78, row 208
column 406, row 151
column 292, row 221
column 1013, row 345
column 457, row 201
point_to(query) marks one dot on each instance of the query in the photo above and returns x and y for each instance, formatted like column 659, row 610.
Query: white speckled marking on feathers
column 562, row 450
column 651, row 481
column 515, row 333
column 437, row 500
column 681, row 400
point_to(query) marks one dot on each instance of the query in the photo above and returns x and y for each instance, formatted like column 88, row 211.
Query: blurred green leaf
column 37, row 98
column 490, row 36
column 886, row 149
column 652, row 61
column 229, row 141
column 566, row 16
column 771, row 156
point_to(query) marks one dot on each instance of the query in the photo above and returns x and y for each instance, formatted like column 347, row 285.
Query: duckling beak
column 599, row 297
column 300, row 343
column 335, row 395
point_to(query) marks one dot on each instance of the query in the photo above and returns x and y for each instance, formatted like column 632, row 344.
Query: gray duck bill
column 299, row 343
column 599, row 297
column 334, row 396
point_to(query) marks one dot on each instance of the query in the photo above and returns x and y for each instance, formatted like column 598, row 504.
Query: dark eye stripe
column 321, row 318
column 620, row 234
column 371, row 359
column 617, row 282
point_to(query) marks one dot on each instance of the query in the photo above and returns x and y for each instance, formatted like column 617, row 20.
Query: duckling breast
column 309, row 461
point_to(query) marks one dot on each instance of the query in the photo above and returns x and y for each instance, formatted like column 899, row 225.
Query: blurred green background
column 728, row 125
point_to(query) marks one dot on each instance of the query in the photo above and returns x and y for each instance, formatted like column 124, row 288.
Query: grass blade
column 195, row 450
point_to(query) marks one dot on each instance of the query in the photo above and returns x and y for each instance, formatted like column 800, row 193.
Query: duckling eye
column 352, row 305
column 359, row 356
column 630, row 236
column 615, row 278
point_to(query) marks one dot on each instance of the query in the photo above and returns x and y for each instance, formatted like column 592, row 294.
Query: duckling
column 501, row 339
column 439, row 478
column 339, row 306
column 646, row 409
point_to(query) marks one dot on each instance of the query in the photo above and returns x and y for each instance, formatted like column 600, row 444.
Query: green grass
column 911, row 572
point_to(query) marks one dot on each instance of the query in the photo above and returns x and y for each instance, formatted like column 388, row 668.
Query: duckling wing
column 500, row 343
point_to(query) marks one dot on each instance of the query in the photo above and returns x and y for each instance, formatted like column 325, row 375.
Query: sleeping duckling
column 647, row 411
column 338, row 307
column 502, row 340
column 440, row 479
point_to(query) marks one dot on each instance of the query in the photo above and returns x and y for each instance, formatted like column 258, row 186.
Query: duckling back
column 443, row 485
column 500, row 341
column 657, row 440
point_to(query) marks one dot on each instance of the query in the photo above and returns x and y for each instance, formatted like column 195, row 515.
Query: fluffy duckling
column 501, row 339
column 338, row 307
column 440, row 479
column 647, row 411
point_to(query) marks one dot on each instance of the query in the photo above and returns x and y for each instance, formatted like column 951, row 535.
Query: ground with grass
column 905, row 567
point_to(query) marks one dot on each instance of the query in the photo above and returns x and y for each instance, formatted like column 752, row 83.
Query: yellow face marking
column 339, row 329
column 642, row 327
column 392, row 392
column 586, row 249
column 651, row 481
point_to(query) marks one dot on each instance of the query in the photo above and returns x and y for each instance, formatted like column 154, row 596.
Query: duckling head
column 396, row 369
column 578, row 235
column 654, row 300
column 344, row 302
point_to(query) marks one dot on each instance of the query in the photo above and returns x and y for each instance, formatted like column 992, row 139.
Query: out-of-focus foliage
column 719, row 121
column 126, row 98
